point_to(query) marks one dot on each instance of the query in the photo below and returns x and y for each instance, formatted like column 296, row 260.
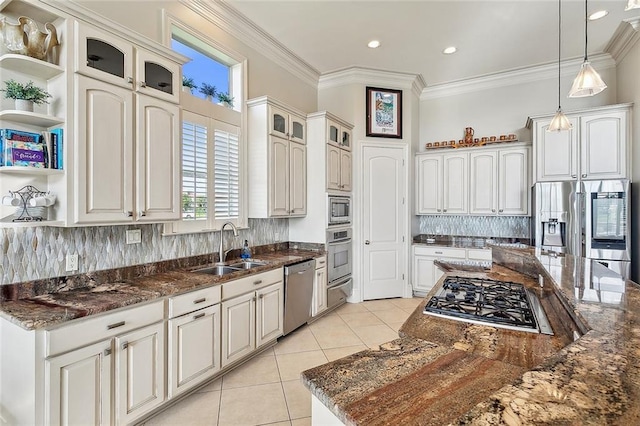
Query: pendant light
column 559, row 121
column 633, row 4
column 588, row 82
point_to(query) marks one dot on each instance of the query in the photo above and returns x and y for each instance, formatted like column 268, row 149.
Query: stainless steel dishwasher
column 298, row 292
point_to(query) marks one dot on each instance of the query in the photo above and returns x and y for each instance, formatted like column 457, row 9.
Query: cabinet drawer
column 440, row 252
column 102, row 327
column 479, row 254
column 194, row 300
column 251, row 283
column 321, row 262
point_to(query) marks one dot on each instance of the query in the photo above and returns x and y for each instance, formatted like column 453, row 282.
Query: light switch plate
column 133, row 236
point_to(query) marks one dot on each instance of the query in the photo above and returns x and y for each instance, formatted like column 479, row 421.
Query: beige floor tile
column 327, row 321
column 411, row 303
column 276, row 424
column 298, row 399
column 335, row 337
column 258, row 371
column 301, row 340
column 378, row 305
column 359, row 319
column 291, row 365
column 395, row 326
column 392, row 315
column 349, row 308
column 216, row 385
column 253, row 405
column 268, row 352
column 337, row 353
column 195, row 410
column 374, row 335
column 301, row 422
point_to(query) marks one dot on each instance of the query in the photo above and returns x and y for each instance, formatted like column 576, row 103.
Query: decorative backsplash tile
column 39, row 252
column 479, row 226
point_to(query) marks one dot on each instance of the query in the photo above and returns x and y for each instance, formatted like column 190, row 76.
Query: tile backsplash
column 478, row 226
column 34, row 253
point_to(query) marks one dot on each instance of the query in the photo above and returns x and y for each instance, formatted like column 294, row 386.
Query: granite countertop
column 449, row 372
column 54, row 308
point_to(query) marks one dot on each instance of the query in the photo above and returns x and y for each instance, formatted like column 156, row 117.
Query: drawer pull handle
column 438, row 252
column 257, row 282
column 195, row 302
column 125, row 345
column 116, row 325
column 200, row 315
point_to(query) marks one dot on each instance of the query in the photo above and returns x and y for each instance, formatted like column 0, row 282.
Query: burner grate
column 480, row 300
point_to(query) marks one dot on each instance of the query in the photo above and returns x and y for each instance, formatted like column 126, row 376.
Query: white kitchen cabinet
column 252, row 314
column 319, row 304
column 269, row 313
column 346, row 170
column 277, row 159
column 597, row 147
column 499, row 182
column 339, row 169
column 139, row 372
column 106, row 164
column 339, row 134
column 79, row 386
column 442, row 183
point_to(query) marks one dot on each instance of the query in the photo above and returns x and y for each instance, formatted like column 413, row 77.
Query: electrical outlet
column 133, row 236
column 277, row 237
column 72, row 262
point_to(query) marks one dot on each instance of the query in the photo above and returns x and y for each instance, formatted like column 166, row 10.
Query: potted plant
column 25, row 95
column 225, row 99
column 208, row 90
column 188, row 83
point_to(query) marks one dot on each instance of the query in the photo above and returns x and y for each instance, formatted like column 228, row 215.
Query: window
column 212, row 144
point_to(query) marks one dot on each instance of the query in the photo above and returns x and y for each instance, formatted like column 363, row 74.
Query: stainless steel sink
column 247, row 264
column 218, row 270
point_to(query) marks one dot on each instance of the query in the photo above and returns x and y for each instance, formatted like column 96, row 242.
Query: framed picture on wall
column 384, row 113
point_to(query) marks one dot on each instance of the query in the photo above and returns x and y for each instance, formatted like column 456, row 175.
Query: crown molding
column 514, row 77
column 371, row 76
column 236, row 24
column 626, row 35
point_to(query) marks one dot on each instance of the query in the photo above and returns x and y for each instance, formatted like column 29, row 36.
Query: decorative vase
column 468, row 136
column 24, row 105
column 13, row 37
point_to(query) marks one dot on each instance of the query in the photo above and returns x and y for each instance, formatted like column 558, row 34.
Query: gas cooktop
column 483, row 301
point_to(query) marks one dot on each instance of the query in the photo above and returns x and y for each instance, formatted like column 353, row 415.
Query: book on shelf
column 57, row 148
column 23, row 149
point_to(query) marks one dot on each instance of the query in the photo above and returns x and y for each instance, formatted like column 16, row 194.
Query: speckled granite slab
column 54, row 308
column 594, row 380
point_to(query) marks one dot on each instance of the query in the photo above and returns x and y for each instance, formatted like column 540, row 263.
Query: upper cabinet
column 442, row 183
column 277, row 157
column 597, row 147
column 339, row 134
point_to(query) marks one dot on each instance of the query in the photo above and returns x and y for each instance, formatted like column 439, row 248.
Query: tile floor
column 267, row 390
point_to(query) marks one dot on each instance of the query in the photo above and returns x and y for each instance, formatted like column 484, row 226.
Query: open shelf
column 33, row 118
column 30, row 66
column 18, row 170
column 9, row 224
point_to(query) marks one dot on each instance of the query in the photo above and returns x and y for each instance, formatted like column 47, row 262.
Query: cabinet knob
column 143, row 84
column 128, row 213
column 130, row 80
column 438, row 210
column 367, row 242
column 574, row 176
column 261, row 296
column 493, row 210
column 584, row 175
column 500, row 211
column 107, row 352
column 142, row 213
column 125, row 345
column 444, row 210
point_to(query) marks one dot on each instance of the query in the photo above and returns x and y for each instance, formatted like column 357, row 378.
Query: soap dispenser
column 245, row 253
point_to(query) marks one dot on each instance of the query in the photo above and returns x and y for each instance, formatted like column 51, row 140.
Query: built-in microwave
column 339, row 210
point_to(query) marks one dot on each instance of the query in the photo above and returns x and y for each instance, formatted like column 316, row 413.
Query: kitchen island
column 448, row 372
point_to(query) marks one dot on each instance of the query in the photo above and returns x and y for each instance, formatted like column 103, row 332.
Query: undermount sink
column 247, row 264
column 218, row 270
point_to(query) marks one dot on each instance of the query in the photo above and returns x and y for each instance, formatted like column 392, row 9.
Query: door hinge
column 403, row 238
column 403, row 201
column 403, row 161
column 402, row 277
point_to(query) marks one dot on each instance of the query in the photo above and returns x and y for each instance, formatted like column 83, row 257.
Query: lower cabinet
column 319, row 304
column 238, row 327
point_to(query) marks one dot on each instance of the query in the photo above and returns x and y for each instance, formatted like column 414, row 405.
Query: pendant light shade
column 559, row 121
column 633, row 4
column 588, row 82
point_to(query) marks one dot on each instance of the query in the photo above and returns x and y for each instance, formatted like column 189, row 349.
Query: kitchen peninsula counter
column 447, row 372
column 33, row 306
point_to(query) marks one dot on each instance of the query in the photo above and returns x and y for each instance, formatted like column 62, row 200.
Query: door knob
column 367, row 242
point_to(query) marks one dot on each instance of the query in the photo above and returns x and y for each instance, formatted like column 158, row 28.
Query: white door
column 455, row 184
column 384, row 214
column 603, row 146
column 483, row 183
column 429, row 185
column 514, row 182
column 345, row 170
column 269, row 313
column 140, row 372
column 319, row 304
column 238, row 327
column 79, row 386
column 279, row 177
column 297, row 179
column 556, row 152
column 333, row 167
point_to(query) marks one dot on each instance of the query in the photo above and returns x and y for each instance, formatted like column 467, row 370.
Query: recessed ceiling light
column 373, row 44
column 599, row 14
column 449, row 50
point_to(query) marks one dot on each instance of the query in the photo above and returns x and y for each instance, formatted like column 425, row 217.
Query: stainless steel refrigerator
column 588, row 218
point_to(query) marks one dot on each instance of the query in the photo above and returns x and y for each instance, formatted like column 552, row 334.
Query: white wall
column 265, row 76
column 628, row 71
column 502, row 110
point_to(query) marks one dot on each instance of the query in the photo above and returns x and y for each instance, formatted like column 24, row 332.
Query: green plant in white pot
column 225, row 99
column 188, row 84
column 208, row 90
column 25, row 95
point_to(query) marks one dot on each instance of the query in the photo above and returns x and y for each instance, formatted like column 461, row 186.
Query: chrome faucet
column 221, row 253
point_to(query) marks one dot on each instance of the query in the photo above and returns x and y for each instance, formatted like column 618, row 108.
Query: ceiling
column 491, row 36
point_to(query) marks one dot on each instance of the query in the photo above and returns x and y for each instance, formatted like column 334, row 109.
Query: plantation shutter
column 195, row 198
column 226, row 169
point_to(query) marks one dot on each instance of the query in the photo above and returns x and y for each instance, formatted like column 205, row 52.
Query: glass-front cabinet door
column 297, row 128
column 333, row 133
column 278, row 122
column 346, row 139
column 103, row 56
column 157, row 76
